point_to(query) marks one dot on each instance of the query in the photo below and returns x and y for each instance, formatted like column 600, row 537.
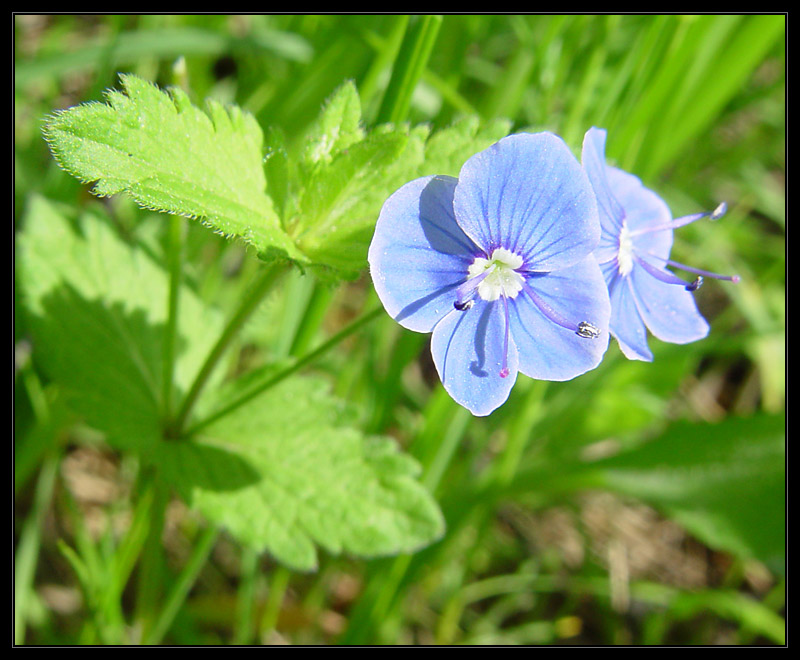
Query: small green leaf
column 341, row 202
column 97, row 311
column 284, row 474
column 171, row 156
column 338, row 126
column 276, row 168
column 447, row 150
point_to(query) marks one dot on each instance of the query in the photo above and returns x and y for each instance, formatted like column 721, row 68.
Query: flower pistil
column 500, row 278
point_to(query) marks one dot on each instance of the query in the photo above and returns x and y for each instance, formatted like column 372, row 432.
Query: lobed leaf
column 98, row 310
column 170, row 156
column 283, row 474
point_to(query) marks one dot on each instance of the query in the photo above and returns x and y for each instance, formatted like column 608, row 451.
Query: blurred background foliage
column 638, row 504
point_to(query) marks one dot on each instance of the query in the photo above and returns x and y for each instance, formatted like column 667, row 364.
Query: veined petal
column 643, row 209
column 668, row 310
column 626, row 324
column 593, row 158
column 419, row 255
column 527, row 193
column 548, row 351
column 468, row 350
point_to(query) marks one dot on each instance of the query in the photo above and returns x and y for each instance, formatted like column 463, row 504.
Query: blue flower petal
column 527, row 193
column 547, row 350
column 668, row 310
column 626, row 324
column 593, row 158
column 467, row 349
column 419, row 255
column 643, row 209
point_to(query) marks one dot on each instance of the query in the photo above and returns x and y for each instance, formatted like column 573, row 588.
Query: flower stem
column 174, row 265
column 247, row 307
column 273, row 380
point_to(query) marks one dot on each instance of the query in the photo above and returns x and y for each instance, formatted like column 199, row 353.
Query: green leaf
column 341, row 202
column 171, row 156
column 724, row 482
column 447, row 150
column 283, row 473
column 276, row 169
column 338, row 126
column 98, row 311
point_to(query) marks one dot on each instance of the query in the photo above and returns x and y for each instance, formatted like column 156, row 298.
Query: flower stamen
column 665, row 276
column 499, row 274
column 697, row 271
column 466, row 292
column 716, row 214
column 583, row 329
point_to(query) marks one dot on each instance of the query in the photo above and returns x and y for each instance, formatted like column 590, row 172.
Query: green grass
column 537, row 550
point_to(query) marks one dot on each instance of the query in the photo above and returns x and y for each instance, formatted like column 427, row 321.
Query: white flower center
column 625, row 254
column 503, row 278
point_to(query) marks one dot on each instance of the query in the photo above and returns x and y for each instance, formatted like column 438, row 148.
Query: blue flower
column 634, row 254
column 498, row 265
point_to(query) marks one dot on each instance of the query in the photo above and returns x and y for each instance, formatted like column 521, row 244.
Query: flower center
column 499, row 274
column 498, row 278
column 625, row 254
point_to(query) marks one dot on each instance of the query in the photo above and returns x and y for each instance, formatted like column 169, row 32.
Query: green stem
column 183, row 585
column 248, row 306
column 277, row 591
column 174, row 265
column 409, row 66
column 244, row 632
column 154, row 496
column 386, row 51
column 27, row 553
column 288, row 371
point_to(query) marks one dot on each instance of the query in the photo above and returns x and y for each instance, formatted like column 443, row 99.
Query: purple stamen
column 466, row 291
column 697, row 271
column 504, row 371
column 664, row 275
column 716, row 214
column 582, row 329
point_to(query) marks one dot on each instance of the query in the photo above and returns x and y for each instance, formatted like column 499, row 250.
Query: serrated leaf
column 276, row 168
column 284, row 474
column 342, row 199
column 447, row 150
column 171, row 156
column 341, row 202
column 337, row 127
column 97, row 311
